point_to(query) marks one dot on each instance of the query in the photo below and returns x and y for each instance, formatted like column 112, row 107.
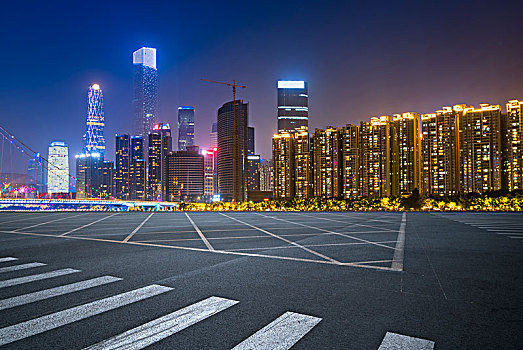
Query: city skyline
column 387, row 68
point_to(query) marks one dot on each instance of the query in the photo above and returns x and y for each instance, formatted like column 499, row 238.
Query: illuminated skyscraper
column 136, row 169
column 407, row 153
column 107, row 184
column 159, row 146
column 350, row 144
column 94, row 141
column 266, row 175
column 121, row 175
column 327, row 162
column 253, row 169
column 514, row 139
column 480, row 145
column 210, row 176
column 145, row 99
column 250, row 142
column 185, row 175
column 88, row 175
column 293, row 106
column 213, row 136
column 58, row 171
column 283, row 165
column 303, row 179
column 185, row 127
column 440, row 151
column 232, row 151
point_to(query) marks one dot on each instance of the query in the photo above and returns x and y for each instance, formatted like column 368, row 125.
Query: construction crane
column 234, row 86
column 239, row 192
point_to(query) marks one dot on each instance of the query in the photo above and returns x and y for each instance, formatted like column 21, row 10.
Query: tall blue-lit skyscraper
column 185, row 127
column 94, row 141
column 293, row 105
column 145, row 86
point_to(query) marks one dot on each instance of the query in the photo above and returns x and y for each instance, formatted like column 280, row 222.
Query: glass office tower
column 185, row 127
column 145, row 86
column 94, row 141
column 293, row 105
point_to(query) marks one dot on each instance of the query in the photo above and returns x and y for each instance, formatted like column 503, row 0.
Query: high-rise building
column 136, row 169
column 350, row 145
column 88, row 175
column 58, row 170
column 160, row 145
column 213, row 136
column 266, row 175
column 253, row 169
column 36, row 175
column 514, row 147
column 185, row 175
column 232, row 151
column 250, row 141
column 145, row 90
column 440, row 151
column 407, row 153
column 185, row 127
column 376, row 160
column 107, row 184
column 480, row 145
column 303, row 174
column 327, row 162
column 94, row 141
column 283, row 165
column 210, row 175
column 121, row 176
column 293, row 106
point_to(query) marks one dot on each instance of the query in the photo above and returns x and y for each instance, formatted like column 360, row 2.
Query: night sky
column 360, row 59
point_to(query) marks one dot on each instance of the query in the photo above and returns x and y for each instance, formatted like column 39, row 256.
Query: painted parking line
column 54, row 292
column 394, row 341
column 397, row 260
column 163, row 327
column 20, row 267
column 87, row 225
column 6, row 259
column 32, row 278
column 45, row 323
column 205, row 241
column 138, row 228
column 281, row 334
column 48, row 222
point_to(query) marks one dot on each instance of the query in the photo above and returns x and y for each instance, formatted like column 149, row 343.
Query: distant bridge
column 11, row 204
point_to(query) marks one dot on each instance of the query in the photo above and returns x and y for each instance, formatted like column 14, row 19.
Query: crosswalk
column 282, row 333
column 499, row 223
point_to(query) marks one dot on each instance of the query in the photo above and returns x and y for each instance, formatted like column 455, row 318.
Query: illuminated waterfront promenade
column 82, row 205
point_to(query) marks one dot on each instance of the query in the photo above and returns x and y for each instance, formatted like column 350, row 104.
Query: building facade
column 303, row 162
column 94, row 140
column 293, row 105
column 185, row 175
column 145, row 90
column 232, row 151
column 350, row 148
column 185, row 127
column 283, row 165
column 36, row 174
column 89, row 175
column 58, row 169
column 122, row 160
column 407, row 130
column 159, row 147
column 137, row 169
column 514, row 147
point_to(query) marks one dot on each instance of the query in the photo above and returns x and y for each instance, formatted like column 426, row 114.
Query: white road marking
column 331, row 232
column 25, row 218
column 138, row 227
column 53, row 292
column 516, row 237
column 21, row 267
column 205, row 241
column 45, row 323
column 281, row 334
column 7, row 259
column 284, row 239
column 394, row 341
column 307, row 245
column 348, row 223
column 397, row 260
column 48, row 222
column 163, row 327
column 32, row 278
column 87, row 225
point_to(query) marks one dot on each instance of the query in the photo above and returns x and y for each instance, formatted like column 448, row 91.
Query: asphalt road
column 207, row 280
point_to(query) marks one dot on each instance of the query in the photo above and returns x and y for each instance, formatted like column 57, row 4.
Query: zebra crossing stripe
column 9, row 258
column 45, row 323
column 394, row 341
column 163, row 327
column 53, row 292
column 32, row 278
column 20, row 267
column 281, row 334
